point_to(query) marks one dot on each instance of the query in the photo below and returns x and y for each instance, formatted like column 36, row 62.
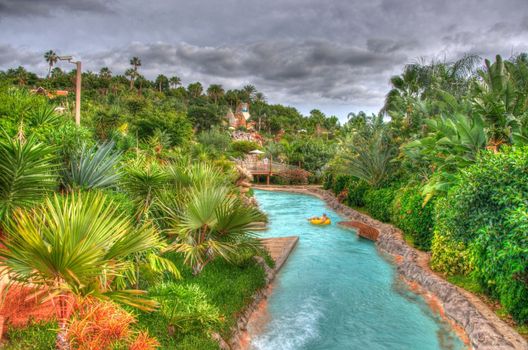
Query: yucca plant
column 213, row 223
column 96, row 167
column 75, row 246
column 26, row 173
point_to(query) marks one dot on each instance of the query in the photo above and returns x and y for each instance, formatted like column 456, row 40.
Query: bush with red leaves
column 99, row 325
column 294, row 177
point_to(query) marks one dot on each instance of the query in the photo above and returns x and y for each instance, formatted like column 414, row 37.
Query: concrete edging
column 240, row 338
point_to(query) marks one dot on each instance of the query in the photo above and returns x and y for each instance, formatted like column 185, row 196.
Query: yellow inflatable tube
column 318, row 221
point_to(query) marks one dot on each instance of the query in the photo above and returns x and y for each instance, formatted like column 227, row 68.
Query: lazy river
column 336, row 291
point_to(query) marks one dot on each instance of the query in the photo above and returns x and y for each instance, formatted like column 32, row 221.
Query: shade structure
column 256, row 151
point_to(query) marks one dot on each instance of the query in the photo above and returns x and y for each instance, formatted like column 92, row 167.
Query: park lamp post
column 77, row 87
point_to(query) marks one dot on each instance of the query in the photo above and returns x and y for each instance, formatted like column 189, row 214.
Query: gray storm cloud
column 336, row 54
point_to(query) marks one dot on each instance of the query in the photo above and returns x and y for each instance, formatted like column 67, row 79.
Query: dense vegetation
column 446, row 161
column 136, row 211
column 132, row 224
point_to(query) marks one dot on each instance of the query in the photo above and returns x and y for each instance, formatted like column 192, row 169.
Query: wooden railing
column 263, row 167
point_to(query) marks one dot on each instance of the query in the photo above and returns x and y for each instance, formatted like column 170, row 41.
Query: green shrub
column 244, row 147
column 378, row 203
column 185, row 307
column 328, row 181
column 340, row 183
column 486, row 212
column 175, row 125
column 415, row 219
column 356, row 193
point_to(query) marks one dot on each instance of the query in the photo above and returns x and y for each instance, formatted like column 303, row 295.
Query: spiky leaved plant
column 75, row 245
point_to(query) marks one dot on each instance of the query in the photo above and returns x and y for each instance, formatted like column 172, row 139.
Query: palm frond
column 26, row 173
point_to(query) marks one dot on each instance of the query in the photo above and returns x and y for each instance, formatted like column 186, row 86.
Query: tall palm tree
column 195, row 89
column 135, row 62
column 105, row 73
column 132, row 75
column 215, row 91
column 174, row 81
column 249, row 92
column 260, row 97
column 162, row 82
column 75, row 246
column 51, row 58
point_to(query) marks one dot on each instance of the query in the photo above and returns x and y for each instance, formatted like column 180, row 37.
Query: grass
column 466, row 282
column 41, row 335
column 229, row 287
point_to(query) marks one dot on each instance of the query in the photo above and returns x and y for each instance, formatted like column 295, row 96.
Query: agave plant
column 213, row 223
column 96, row 167
column 75, row 246
column 26, row 173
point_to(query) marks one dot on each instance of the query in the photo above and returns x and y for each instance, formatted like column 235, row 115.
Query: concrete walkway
column 279, row 248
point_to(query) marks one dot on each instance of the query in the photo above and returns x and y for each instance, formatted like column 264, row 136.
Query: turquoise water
column 337, row 292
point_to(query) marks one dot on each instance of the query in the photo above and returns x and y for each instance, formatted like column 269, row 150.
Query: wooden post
column 268, row 179
column 78, row 94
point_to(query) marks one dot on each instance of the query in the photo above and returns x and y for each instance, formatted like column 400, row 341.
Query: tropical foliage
column 444, row 161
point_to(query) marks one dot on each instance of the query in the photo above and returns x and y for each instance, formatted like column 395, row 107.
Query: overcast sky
column 335, row 55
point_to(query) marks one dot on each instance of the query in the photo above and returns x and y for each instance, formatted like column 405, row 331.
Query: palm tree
column 135, row 62
column 501, row 103
column 249, row 92
column 162, row 82
column 195, row 89
column 21, row 75
column 131, row 74
column 144, row 182
column 174, row 81
column 105, row 73
column 259, row 97
column 214, row 223
column 215, row 91
column 368, row 156
column 51, row 58
column 26, row 173
column 75, row 246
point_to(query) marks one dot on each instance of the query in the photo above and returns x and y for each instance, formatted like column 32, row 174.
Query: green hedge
column 412, row 217
column 340, row 183
column 356, row 193
column 328, row 181
column 486, row 217
column 378, row 203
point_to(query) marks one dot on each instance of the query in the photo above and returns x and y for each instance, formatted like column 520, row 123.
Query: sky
column 334, row 55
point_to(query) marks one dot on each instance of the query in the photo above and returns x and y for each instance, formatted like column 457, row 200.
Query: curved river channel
column 336, row 291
